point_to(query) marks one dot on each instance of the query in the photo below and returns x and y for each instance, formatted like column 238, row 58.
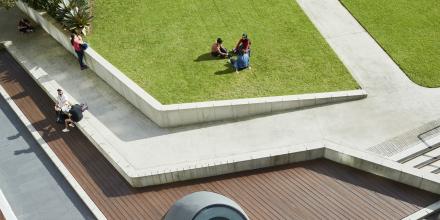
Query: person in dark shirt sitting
column 24, row 26
column 75, row 114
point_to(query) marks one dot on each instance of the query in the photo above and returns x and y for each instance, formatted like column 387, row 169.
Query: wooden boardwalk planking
column 309, row 190
column 1, row 215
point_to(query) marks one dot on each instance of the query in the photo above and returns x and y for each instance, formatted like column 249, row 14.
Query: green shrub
column 52, row 7
column 74, row 15
column 37, row 4
column 7, row 4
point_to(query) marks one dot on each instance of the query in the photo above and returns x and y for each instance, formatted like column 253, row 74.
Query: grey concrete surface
column 395, row 104
column 30, row 182
column 408, row 140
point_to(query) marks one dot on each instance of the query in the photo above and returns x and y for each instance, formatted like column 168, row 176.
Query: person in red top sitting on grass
column 243, row 45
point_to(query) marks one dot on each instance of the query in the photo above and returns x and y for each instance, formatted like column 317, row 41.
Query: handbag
column 84, row 46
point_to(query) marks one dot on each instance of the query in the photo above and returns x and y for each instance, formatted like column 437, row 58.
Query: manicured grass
column 408, row 30
column 163, row 46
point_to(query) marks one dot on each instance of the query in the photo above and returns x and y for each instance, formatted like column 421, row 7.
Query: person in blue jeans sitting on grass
column 242, row 61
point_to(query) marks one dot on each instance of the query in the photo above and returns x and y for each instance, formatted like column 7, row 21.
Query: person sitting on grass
column 217, row 49
column 75, row 114
column 24, row 26
column 242, row 61
column 244, row 44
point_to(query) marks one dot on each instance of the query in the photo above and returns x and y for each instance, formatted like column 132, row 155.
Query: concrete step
column 434, row 157
column 418, row 160
column 429, row 168
column 433, row 153
column 437, row 166
column 422, row 148
column 427, row 162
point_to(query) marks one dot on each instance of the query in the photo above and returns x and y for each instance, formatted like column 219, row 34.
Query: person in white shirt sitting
column 62, row 103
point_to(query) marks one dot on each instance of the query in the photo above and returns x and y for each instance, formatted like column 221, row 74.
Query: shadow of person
column 205, row 57
column 13, row 137
column 229, row 70
column 24, row 151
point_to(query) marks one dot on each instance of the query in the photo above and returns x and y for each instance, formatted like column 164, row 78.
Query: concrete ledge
column 383, row 167
column 5, row 208
column 57, row 162
column 187, row 113
column 220, row 166
column 350, row 157
column 424, row 212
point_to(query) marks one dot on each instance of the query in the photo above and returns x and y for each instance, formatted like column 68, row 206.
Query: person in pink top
column 77, row 42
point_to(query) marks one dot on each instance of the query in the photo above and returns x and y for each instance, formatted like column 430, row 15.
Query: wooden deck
column 1, row 215
column 309, row 190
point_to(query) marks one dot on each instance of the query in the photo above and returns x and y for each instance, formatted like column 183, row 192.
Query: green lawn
column 409, row 31
column 163, row 45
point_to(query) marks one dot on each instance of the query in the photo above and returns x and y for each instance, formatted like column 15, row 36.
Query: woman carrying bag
column 79, row 46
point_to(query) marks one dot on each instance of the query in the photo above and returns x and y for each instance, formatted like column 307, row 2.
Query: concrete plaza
column 394, row 105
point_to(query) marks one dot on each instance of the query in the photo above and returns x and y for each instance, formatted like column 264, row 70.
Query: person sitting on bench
column 217, row 49
column 75, row 114
column 61, row 102
column 242, row 61
column 24, row 26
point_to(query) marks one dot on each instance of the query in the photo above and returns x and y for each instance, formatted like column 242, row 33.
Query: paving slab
column 394, row 106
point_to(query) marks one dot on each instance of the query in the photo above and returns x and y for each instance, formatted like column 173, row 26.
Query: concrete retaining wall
column 383, row 167
column 187, row 113
column 344, row 155
column 220, row 166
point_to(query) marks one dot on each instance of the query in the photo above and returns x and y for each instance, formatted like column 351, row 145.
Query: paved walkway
column 394, row 105
column 31, row 184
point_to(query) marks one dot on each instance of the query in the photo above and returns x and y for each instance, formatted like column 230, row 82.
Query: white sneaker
column 65, row 130
column 72, row 125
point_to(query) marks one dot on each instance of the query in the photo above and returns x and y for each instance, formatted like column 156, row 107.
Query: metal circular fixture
column 205, row 206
